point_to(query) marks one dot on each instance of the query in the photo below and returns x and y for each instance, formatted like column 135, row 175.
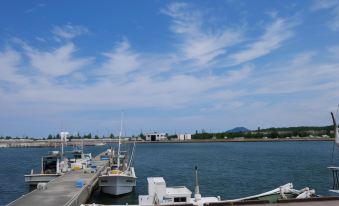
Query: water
column 232, row 169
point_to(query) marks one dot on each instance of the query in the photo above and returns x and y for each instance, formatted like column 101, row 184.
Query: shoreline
column 102, row 142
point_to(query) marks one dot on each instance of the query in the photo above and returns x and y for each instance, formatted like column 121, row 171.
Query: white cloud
column 207, row 47
column 10, row 62
column 69, row 31
column 120, row 61
column 302, row 58
column 277, row 32
column 58, row 62
column 301, row 74
column 198, row 42
column 333, row 6
column 334, row 51
column 35, row 8
column 324, row 4
column 40, row 39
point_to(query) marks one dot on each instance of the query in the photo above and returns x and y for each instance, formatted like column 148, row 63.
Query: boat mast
column 82, row 147
column 197, row 194
column 42, row 165
column 118, row 162
column 336, row 134
column 131, row 159
column 63, row 138
column 62, row 143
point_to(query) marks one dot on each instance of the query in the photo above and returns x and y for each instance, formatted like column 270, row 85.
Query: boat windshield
column 50, row 164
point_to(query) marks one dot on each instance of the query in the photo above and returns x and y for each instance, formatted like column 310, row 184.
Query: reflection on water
column 102, row 198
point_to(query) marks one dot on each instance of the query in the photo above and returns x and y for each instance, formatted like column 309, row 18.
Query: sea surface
column 227, row 169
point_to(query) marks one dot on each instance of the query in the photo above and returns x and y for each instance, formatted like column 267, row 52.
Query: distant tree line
column 57, row 136
column 84, row 136
column 9, row 137
column 271, row 133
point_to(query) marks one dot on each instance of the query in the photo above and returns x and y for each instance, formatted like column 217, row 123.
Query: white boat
column 118, row 182
column 58, row 163
column 119, row 178
column 52, row 166
column 79, row 160
column 160, row 194
column 335, row 169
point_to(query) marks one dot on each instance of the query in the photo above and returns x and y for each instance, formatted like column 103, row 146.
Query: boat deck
column 63, row 190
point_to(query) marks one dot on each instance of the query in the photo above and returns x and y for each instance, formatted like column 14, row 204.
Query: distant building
column 135, row 139
column 182, row 137
column 155, row 136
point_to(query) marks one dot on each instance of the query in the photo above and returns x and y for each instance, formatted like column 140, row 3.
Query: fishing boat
column 335, row 169
column 53, row 165
column 119, row 178
column 79, row 160
column 57, row 163
column 159, row 194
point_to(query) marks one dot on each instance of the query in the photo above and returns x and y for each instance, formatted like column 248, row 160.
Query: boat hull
column 116, row 184
column 34, row 179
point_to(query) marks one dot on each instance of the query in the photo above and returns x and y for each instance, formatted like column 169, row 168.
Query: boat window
column 180, row 199
column 77, row 156
column 49, row 165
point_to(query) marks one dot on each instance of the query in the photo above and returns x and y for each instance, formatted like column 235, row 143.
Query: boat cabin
column 159, row 194
column 50, row 163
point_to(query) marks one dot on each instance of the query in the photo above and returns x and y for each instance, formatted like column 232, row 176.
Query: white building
column 155, row 136
column 182, row 137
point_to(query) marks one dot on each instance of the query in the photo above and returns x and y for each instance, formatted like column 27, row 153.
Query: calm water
column 227, row 169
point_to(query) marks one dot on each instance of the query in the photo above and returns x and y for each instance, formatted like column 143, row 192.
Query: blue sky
column 172, row 66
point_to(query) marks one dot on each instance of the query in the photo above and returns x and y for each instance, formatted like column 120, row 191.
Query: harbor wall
column 100, row 142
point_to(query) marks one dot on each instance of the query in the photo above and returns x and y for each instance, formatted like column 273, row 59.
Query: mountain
column 238, row 129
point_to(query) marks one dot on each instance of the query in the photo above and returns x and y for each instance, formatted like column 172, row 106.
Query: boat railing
column 335, row 176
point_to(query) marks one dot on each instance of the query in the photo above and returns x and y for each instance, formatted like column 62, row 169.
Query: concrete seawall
column 94, row 142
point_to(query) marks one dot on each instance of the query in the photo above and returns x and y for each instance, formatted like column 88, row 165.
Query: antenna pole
column 336, row 135
column 118, row 162
column 130, row 161
column 82, row 147
column 197, row 195
column 62, row 144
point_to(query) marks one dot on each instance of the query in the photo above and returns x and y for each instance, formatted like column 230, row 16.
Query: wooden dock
column 63, row 190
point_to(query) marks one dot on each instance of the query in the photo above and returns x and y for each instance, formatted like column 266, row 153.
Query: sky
column 170, row 66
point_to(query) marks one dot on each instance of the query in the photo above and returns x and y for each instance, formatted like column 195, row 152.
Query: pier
column 63, row 190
